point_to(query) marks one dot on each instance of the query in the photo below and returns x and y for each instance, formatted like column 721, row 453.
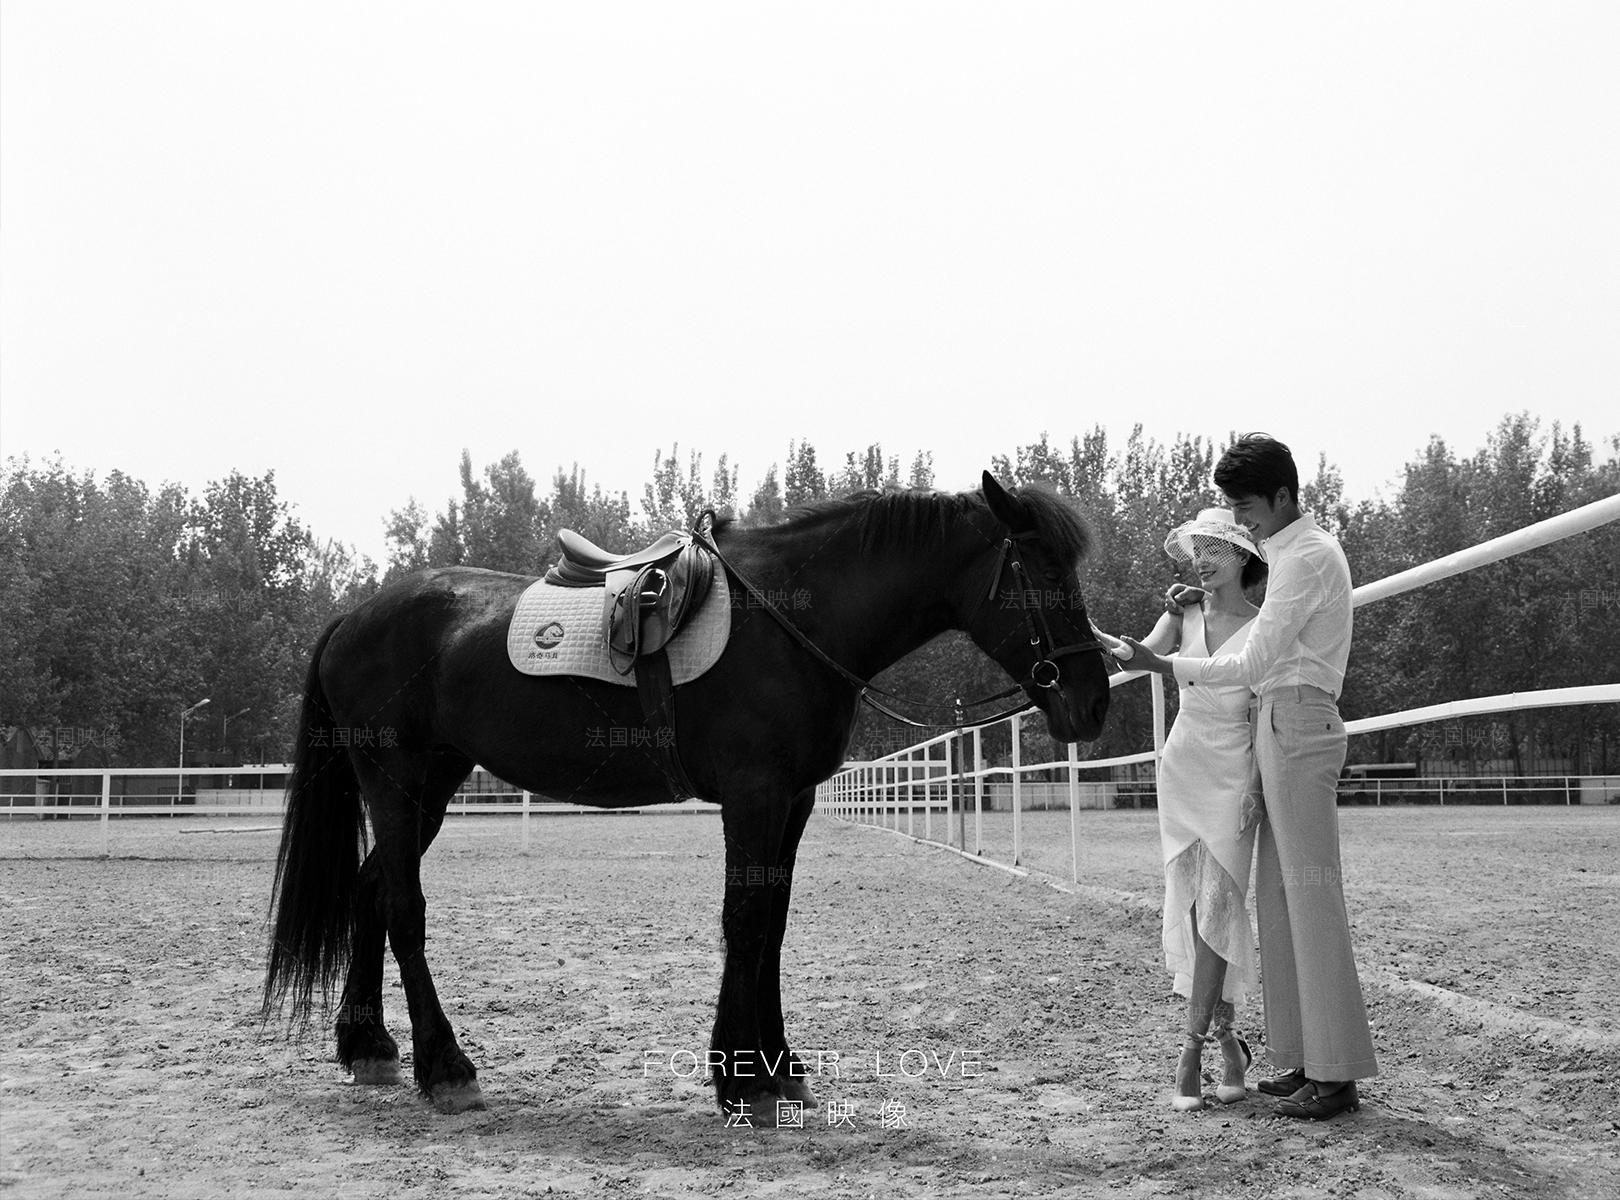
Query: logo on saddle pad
column 550, row 636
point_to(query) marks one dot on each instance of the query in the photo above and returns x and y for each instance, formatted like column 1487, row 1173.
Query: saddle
column 585, row 564
column 648, row 595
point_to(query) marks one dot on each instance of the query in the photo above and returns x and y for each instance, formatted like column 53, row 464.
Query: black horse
column 409, row 691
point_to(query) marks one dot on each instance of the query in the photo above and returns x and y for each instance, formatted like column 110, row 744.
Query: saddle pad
column 559, row 631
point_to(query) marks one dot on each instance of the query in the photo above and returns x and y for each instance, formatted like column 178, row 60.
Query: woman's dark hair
column 1253, row 572
column 1257, row 464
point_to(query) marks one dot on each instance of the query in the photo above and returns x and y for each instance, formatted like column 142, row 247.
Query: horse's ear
column 1007, row 507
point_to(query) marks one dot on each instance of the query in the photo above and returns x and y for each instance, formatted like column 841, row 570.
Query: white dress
column 1207, row 770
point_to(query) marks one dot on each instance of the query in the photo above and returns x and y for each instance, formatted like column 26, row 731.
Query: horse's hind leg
column 405, row 820
column 364, row 1044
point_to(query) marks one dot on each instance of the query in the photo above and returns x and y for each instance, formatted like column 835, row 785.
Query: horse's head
column 1033, row 619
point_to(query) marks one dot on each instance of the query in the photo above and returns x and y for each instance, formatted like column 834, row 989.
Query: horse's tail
column 322, row 839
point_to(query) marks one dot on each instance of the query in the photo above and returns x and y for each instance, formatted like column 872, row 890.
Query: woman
column 1208, row 804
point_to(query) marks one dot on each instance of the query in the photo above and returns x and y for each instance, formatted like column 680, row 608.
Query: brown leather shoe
column 1285, row 1084
column 1311, row 1103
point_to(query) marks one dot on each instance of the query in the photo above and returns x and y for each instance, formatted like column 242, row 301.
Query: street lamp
column 180, row 775
column 224, row 740
column 225, row 726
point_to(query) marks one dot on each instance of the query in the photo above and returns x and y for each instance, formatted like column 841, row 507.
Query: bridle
column 1044, row 673
column 1040, row 632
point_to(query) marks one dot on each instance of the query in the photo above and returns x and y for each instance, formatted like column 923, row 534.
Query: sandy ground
column 993, row 1034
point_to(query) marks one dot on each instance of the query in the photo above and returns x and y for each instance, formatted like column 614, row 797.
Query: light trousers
column 1315, row 1017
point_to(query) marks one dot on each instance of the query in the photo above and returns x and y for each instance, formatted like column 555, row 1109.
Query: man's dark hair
column 1257, row 464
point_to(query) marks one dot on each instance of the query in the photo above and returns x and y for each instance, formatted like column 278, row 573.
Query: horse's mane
column 917, row 518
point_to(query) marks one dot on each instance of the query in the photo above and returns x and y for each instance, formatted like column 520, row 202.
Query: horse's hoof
column 797, row 1087
column 452, row 1098
column 758, row 1100
column 376, row 1070
column 752, row 1106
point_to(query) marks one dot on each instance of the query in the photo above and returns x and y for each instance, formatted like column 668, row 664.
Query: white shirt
column 1302, row 635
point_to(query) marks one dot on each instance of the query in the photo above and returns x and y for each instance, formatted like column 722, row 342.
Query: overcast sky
column 345, row 241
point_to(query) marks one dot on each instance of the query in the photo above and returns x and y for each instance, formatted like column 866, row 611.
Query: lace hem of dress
column 1195, row 881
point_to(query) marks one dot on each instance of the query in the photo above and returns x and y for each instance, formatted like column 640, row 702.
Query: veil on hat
column 1211, row 527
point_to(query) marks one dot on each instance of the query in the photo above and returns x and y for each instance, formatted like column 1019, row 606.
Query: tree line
column 124, row 604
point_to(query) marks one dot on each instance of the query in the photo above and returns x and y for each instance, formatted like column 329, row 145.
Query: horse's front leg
column 789, row 1071
column 741, row 1069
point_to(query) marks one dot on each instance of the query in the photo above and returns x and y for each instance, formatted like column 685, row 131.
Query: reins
column 1040, row 637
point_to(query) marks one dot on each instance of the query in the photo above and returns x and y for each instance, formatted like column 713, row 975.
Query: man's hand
column 1143, row 659
column 1179, row 595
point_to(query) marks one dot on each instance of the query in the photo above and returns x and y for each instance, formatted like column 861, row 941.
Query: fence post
column 978, row 795
column 1074, row 812
column 525, row 819
column 106, row 813
column 1157, row 703
column 955, row 793
column 928, row 800
column 1156, row 685
column 1017, row 783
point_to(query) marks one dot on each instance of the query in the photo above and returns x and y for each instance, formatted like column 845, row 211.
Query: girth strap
column 657, row 690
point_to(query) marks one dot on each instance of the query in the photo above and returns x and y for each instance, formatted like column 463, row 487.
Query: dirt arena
column 981, row 1034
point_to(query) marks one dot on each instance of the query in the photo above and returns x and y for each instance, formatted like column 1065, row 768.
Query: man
column 1294, row 660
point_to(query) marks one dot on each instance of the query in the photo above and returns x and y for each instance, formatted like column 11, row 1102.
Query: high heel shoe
column 1234, row 1050
column 1232, row 1047
column 1192, row 1048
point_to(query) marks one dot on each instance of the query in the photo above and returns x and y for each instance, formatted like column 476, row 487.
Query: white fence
column 101, row 794
column 915, row 791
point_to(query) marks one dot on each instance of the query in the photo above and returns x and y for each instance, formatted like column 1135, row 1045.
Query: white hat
column 1214, row 523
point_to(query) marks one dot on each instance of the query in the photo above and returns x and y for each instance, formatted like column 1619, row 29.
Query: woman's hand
column 1110, row 643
